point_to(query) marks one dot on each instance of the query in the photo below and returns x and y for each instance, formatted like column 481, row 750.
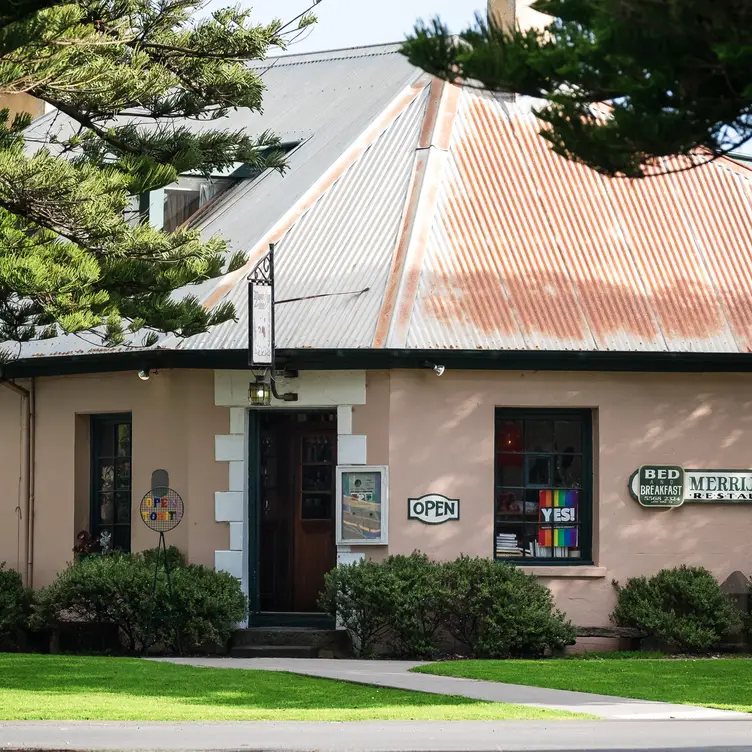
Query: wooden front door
column 296, row 536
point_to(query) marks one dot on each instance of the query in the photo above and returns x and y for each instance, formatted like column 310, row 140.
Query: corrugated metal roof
column 324, row 100
column 530, row 251
column 468, row 232
column 342, row 244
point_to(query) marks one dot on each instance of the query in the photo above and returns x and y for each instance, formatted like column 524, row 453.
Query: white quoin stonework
column 315, row 389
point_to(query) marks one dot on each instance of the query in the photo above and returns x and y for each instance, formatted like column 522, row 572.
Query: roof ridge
column 323, row 56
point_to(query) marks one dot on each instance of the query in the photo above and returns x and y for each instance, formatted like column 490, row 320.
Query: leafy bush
column 499, row 611
column 15, row 606
column 119, row 589
column 205, row 607
column 175, row 557
column 495, row 609
column 415, row 604
column 356, row 595
column 684, row 607
column 115, row 588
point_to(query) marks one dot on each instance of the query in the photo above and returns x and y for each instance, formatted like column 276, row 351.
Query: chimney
column 508, row 13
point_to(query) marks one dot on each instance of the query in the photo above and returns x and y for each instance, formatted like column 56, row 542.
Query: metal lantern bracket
column 261, row 323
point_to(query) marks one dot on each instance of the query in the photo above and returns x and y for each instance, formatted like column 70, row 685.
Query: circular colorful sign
column 162, row 509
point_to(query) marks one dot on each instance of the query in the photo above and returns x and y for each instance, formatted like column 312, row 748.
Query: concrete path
column 380, row 736
column 397, row 674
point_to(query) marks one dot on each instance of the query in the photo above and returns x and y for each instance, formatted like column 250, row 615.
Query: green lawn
column 716, row 683
column 49, row 687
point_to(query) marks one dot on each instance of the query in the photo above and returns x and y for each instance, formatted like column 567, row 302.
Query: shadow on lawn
column 130, row 677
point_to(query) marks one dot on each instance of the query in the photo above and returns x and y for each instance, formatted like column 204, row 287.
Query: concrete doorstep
column 397, row 674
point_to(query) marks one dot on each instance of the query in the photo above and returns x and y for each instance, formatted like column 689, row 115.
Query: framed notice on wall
column 362, row 505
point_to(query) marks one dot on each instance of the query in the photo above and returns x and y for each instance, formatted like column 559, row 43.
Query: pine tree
column 674, row 73
column 129, row 80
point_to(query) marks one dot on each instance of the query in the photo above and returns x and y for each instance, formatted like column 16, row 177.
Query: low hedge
column 15, row 608
column 118, row 589
column 411, row 603
column 683, row 607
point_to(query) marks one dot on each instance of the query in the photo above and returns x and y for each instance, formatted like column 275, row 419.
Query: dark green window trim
column 111, row 478
column 525, row 484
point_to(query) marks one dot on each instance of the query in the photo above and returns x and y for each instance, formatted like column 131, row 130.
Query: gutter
column 28, row 440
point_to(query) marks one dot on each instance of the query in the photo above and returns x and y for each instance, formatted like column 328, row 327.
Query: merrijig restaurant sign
column 662, row 486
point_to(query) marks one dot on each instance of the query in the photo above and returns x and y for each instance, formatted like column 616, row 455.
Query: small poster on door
column 362, row 508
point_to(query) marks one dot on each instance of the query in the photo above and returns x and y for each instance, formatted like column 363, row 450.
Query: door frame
column 256, row 617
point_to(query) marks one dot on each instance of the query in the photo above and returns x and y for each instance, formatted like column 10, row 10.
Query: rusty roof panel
column 493, row 276
column 723, row 232
column 531, row 251
column 508, row 246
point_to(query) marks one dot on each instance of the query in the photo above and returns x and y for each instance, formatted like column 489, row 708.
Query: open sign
column 433, row 509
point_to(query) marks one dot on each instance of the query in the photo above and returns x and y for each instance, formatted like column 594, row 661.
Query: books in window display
column 556, row 552
column 508, row 545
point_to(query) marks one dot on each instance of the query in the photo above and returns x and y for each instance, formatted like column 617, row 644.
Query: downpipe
column 28, row 442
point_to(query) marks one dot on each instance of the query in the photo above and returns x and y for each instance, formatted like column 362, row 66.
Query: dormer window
column 183, row 198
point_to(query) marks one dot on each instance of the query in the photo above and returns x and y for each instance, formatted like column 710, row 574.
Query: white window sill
column 576, row 572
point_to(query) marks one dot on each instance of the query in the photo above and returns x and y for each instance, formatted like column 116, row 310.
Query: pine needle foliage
column 137, row 90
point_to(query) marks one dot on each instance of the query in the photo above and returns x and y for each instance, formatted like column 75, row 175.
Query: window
column 186, row 196
column 543, row 505
column 111, row 480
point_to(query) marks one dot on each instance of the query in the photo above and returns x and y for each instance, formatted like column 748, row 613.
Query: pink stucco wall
column 174, row 423
column 436, row 435
column 441, row 439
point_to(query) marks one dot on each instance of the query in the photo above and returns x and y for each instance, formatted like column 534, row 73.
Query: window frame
column 585, row 417
column 97, row 424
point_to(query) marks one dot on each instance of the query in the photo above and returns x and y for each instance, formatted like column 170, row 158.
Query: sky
column 351, row 23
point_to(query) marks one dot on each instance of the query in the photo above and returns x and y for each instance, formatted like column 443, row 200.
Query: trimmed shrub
column 15, row 607
column 499, row 611
column 357, row 596
column 205, row 607
column 415, row 604
column 175, row 557
column 113, row 588
column 119, row 589
column 683, row 607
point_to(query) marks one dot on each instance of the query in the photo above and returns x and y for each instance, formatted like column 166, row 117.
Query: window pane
column 568, row 470
column 123, row 474
column 317, row 478
column 509, row 436
column 509, row 505
column 105, row 434
column 122, row 506
column 124, row 440
column 105, row 475
column 121, row 540
column 532, row 505
column 568, row 436
column 539, row 435
column 317, row 507
column 517, row 505
column 179, row 205
column 510, row 470
column 106, row 508
column 538, row 470
column 317, row 449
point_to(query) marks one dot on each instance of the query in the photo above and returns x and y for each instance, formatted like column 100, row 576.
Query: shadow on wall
column 693, row 420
